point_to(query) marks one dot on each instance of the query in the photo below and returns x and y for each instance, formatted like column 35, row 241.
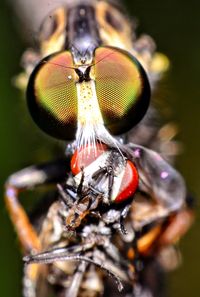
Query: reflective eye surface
column 122, row 87
column 51, row 96
column 122, row 90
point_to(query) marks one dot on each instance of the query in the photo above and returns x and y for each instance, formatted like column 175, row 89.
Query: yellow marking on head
column 57, row 40
column 88, row 106
column 90, row 121
column 111, row 36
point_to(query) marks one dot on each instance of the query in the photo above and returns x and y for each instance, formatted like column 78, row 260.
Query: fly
column 118, row 204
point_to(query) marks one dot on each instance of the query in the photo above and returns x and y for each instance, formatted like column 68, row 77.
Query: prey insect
column 118, row 203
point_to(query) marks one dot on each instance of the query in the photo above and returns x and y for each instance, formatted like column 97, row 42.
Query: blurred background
column 175, row 26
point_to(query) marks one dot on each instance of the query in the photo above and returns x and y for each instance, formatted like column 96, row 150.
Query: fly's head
column 87, row 88
column 89, row 101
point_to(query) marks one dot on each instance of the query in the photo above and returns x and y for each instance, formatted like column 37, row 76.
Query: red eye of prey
column 129, row 183
column 85, row 156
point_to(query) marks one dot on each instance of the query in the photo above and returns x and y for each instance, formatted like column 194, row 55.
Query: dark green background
column 175, row 25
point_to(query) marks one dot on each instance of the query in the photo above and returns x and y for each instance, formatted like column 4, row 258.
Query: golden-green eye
column 51, row 96
column 122, row 88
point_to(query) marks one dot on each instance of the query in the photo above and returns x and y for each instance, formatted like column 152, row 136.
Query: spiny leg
column 67, row 195
column 70, row 194
column 80, row 186
column 120, row 265
column 98, row 173
column 109, row 172
column 86, row 200
column 47, row 258
column 80, row 210
column 123, row 215
column 25, row 231
column 57, row 254
column 84, row 253
column 29, row 178
column 74, row 287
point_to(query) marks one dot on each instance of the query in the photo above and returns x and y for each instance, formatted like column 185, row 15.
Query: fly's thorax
column 73, row 27
column 84, row 26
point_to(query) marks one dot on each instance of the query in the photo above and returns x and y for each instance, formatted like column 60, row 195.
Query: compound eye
column 51, row 96
column 122, row 87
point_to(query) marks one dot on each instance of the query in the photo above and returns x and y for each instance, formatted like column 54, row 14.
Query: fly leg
column 110, row 173
column 51, row 257
column 74, row 287
column 107, row 266
column 126, row 266
column 123, row 215
column 86, row 199
column 57, row 254
column 70, row 194
column 67, row 196
column 26, row 179
column 107, row 171
column 80, row 210
column 80, row 186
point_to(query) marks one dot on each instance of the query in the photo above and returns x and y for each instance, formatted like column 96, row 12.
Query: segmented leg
column 47, row 258
column 123, row 215
column 29, row 178
column 57, row 254
column 109, row 172
column 74, row 287
column 67, row 195
column 80, row 186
